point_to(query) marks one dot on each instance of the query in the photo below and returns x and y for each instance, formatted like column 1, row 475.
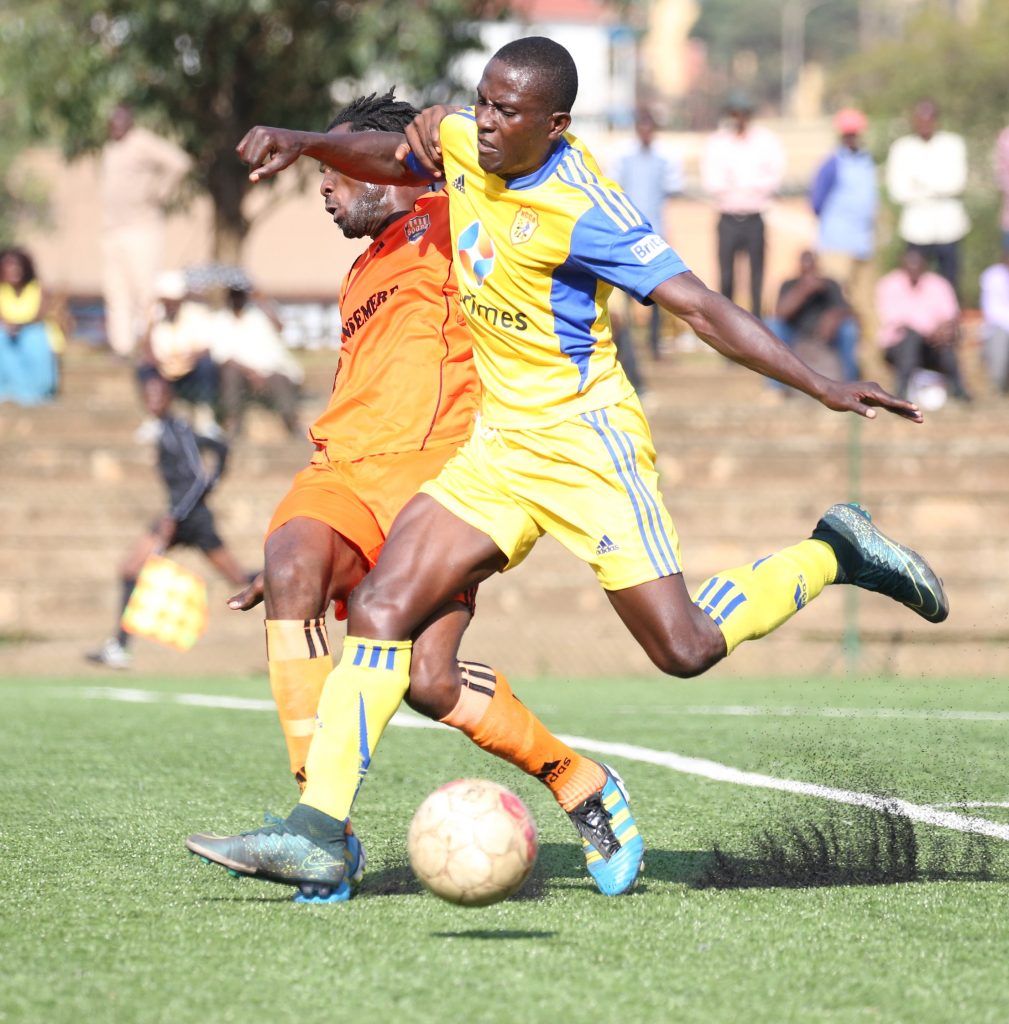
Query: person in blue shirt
column 845, row 199
column 650, row 172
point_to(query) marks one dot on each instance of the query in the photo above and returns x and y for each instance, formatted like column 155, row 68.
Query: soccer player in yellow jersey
column 562, row 447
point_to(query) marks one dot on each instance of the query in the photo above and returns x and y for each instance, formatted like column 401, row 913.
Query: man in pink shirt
column 742, row 168
column 919, row 324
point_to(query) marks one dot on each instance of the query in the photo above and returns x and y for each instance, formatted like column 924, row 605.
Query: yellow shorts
column 589, row 481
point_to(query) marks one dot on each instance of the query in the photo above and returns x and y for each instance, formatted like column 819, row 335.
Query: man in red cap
column 845, row 198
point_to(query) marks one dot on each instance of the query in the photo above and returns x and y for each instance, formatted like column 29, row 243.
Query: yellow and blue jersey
column 536, row 260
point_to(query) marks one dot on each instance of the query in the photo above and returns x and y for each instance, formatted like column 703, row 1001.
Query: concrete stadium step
column 743, row 476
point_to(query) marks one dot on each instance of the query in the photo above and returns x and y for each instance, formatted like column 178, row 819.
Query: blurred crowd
column 837, row 303
column 219, row 342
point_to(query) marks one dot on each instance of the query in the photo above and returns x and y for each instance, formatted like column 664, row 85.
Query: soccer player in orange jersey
column 403, row 401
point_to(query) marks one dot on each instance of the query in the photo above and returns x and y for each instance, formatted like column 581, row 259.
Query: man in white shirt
column 742, row 168
column 926, row 173
column 254, row 363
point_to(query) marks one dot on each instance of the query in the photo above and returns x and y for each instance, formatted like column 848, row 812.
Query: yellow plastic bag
column 168, row 604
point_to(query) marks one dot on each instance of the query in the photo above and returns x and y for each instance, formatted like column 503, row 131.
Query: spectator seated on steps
column 253, row 362
column 995, row 309
column 30, row 344
column 919, row 319
column 176, row 346
column 813, row 317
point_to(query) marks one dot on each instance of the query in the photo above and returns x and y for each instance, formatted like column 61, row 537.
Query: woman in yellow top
column 28, row 345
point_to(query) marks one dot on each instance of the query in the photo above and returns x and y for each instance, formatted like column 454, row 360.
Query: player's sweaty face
column 357, row 208
column 514, row 127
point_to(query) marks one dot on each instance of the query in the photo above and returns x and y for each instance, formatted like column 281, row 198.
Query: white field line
column 977, row 803
column 751, row 711
column 696, row 766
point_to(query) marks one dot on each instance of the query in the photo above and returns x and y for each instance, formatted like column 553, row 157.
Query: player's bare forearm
column 366, row 156
column 741, row 337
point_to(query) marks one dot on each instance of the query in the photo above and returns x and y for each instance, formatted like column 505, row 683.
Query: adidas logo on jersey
column 460, row 183
column 606, row 546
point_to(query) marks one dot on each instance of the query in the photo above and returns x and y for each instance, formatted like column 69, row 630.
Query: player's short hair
column 376, row 113
column 549, row 63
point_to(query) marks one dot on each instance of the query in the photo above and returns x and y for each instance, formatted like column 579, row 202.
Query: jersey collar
column 544, row 171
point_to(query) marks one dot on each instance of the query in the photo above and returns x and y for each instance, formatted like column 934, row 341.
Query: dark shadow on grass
column 853, row 847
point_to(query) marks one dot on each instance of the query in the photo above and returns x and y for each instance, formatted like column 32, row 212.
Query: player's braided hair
column 376, row 113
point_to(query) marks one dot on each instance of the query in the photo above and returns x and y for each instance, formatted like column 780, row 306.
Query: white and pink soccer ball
column 472, row 842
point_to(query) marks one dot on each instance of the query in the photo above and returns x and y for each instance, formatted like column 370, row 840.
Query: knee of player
column 295, row 587
column 373, row 613
column 434, row 687
column 686, row 658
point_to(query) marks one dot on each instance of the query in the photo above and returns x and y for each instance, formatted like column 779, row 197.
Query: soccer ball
column 472, row 842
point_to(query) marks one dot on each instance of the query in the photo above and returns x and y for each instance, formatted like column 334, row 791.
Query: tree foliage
column 730, row 27
column 205, row 71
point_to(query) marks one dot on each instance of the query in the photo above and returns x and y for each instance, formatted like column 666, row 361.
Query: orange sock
column 297, row 651
column 498, row 722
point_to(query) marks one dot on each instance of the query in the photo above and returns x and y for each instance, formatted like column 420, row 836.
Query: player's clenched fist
column 423, row 138
column 269, row 150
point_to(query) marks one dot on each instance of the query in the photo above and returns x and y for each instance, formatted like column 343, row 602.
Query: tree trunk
column 227, row 184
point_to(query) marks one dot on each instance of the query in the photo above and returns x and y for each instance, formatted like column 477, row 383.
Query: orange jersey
column 405, row 381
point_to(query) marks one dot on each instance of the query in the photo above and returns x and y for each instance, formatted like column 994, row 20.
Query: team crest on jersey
column 476, row 252
column 525, row 223
column 415, row 227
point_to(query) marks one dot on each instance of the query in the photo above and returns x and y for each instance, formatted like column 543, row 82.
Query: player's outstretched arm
column 366, row 156
column 742, row 338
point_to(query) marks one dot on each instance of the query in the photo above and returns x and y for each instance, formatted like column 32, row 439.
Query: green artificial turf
column 105, row 917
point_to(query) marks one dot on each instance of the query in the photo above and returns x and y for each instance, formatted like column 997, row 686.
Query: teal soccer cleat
column 869, row 559
column 356, row 861
column 320, row 862
column 614, row 850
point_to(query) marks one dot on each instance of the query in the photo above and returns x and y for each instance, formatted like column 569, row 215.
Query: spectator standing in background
column 139, row 172
column 1002, row 177
column 919, row 324
column 813, row 316
column 742, row 167
column 253, row 362
column 650, row 172
column 926, row 173
column 995, row 309
column 29, row 346
column 845, row 199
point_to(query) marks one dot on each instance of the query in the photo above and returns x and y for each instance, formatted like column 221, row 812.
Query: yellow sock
column 752, row 600
column 497, row 721
column 297, row 652
column 360, row 696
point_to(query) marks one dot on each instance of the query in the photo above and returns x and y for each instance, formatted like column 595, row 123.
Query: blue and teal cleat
column 356, row 861
column 308, row 851
column 614, row 850
column 867, row 558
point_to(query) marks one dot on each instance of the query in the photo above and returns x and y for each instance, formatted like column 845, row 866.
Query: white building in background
column 604, row 49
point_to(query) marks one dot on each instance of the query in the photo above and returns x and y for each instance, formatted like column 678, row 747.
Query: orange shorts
column 359, row 500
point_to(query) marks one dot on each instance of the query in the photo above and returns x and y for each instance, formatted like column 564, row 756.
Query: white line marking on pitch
column 748, row 711
column 697, row 766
